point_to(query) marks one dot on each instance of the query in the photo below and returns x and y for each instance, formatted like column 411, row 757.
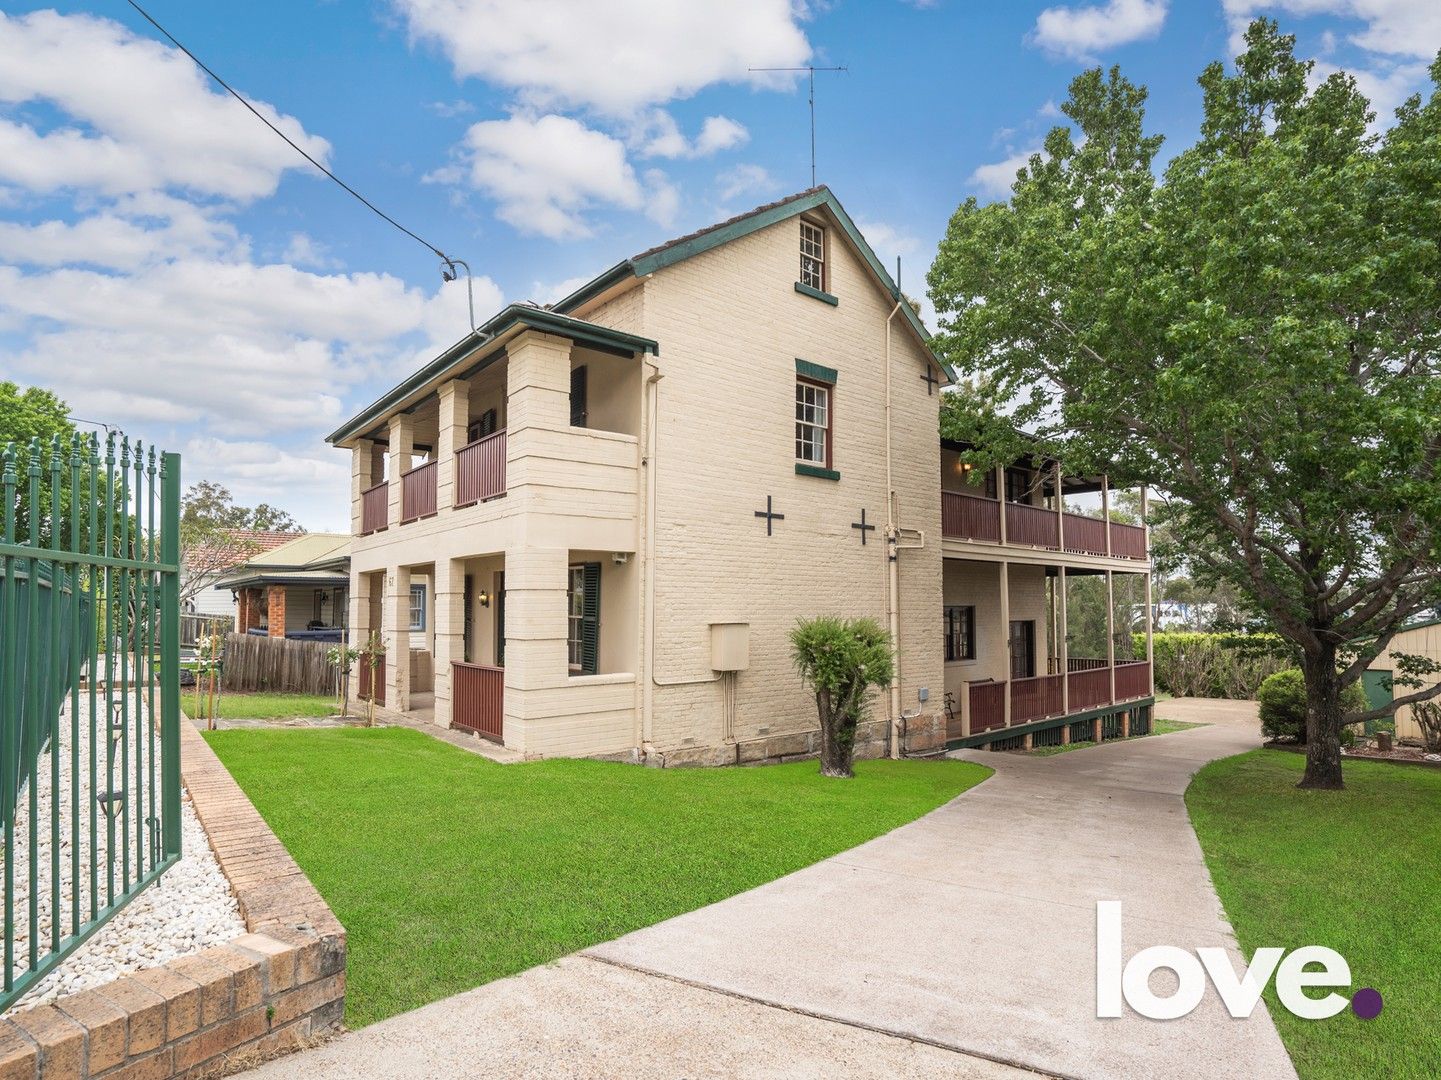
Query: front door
column 1023, row 649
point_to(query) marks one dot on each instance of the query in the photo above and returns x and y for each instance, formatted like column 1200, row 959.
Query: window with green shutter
column 579, row 409
column 583, row 619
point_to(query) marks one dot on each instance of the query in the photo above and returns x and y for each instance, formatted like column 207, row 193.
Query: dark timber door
column 500, row 619
column 1023, row 649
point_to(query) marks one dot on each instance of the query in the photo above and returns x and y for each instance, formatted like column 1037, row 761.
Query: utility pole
column 811, row 70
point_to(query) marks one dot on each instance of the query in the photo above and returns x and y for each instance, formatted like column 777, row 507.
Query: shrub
column 841, row 659
column 1427, row 715
column 1283, row 706
column 1214, row 665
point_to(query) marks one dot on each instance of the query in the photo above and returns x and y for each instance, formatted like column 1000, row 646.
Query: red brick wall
column 275, row 610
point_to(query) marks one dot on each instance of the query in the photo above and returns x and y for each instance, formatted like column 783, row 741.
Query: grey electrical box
column 924, row 693
column 730, row 646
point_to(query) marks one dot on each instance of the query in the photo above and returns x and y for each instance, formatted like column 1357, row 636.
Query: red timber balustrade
column 417, row 492
column 374, row 508
column 965, row 516
column 974, row 515
column 478, row 702
column 1044, row 696
column 480, row 470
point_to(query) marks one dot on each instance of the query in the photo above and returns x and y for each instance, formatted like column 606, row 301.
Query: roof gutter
column 516, row 315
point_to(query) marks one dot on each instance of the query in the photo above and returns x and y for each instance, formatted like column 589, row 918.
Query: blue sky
column 169, row 265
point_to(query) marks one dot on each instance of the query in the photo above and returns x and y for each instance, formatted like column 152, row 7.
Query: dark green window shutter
column 590, row 621
column 578, row 408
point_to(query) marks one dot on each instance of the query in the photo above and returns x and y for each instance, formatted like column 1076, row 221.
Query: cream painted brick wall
column 730, row 327
column 979, row 584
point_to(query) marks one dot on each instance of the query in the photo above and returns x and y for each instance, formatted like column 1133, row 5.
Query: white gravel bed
column 190, row 908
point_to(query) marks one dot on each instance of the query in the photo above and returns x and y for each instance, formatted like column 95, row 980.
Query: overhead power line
column 446, row 259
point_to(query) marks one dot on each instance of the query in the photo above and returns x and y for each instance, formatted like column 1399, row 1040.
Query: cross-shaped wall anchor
column 863, row 527
column 931, row 381
column 770, row 515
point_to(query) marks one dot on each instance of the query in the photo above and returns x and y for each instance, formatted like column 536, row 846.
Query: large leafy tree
column 35, row 417
column 1255, row 334
column 213, row 533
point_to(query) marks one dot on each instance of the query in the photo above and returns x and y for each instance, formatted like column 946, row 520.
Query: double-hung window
column 813, row 424
column 582, row 634
column 960, row 626
column 813, row 256
column 417, row 607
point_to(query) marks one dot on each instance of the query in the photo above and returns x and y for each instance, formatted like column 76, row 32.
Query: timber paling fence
column 89, row 690
column 281, row 665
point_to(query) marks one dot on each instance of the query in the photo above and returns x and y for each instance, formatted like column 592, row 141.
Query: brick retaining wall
column 273, row 989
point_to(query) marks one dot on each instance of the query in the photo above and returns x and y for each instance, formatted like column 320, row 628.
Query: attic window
column 813, row 256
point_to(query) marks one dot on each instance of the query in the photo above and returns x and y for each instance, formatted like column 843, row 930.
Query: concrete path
column 962, row 944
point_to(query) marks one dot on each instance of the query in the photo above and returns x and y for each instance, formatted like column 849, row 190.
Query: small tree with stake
column 841, row 659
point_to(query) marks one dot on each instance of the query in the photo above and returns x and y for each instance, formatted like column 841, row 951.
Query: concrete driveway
column 962, row 944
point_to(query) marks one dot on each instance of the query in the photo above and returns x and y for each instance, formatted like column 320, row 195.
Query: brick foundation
column 273, row 989
column 923, row 734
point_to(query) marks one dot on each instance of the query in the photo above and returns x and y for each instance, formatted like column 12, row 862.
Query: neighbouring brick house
column 297, row 589
column 620, row 504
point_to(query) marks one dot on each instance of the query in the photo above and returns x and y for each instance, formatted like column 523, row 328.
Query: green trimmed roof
column 514, row 317
column 311, row 558
column 684, row 247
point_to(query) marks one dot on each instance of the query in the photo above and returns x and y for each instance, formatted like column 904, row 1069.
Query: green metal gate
column 89, row 690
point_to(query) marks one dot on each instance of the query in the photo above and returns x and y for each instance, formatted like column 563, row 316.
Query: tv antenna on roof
column 811, row 69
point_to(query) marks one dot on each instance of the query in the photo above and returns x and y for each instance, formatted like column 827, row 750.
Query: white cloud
column 1082, row 32
column 146, row 118
column 720, row 133
column 887, row 241
column 305, row 250
column 313, row 484
column 546, row 172
column 745, row 180
column 449, row 110
column 549, row 292
column 997, row 177
column 614, row 57
column 1410, row 28
column 656, row 134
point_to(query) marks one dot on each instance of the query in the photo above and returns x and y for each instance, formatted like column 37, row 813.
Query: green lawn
column 1355, row 870
column 1158, row 727
column 449, row 870
column 233, row 706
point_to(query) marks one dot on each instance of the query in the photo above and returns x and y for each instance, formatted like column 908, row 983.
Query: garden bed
column 1368, row 750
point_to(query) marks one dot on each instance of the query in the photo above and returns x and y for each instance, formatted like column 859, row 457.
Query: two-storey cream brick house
column 613, row 510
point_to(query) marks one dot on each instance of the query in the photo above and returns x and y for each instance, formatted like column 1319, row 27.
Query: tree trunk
column 1323, row 720
column 836, row 746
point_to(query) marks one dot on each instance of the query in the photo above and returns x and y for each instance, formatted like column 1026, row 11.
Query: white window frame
column 575, row 618
column 812, row 417
column 813, row 255
column 417, row 608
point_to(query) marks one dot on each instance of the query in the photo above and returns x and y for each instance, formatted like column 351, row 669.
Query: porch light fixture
column 484, row 598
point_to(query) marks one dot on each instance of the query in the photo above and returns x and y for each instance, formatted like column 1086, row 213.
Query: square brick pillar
column 397, row 638
column 537, row 382
column 454, row 418
column 535, row 634
column 275, row 610
column 402, row 449
column 367, row 468
column 447, row 618
column 359, row 623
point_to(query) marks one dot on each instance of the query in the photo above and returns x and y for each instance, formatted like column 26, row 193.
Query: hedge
column 1214, row 665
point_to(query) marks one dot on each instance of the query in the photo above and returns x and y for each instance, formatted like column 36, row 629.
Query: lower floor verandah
column 1041, row 654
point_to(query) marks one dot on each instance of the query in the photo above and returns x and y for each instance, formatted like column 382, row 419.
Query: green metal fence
column 89, row 690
